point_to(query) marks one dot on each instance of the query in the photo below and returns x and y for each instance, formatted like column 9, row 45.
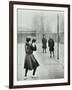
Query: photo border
column 11, row 36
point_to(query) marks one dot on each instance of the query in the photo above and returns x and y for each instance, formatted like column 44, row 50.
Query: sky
column 30, row 20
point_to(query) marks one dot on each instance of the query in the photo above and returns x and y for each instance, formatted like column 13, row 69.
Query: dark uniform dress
column 30, row 61
column 44, row 43
column 51, row 44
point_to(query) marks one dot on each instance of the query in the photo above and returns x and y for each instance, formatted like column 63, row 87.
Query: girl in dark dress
column 51, row 46
column 30, row 61
column 44, row 44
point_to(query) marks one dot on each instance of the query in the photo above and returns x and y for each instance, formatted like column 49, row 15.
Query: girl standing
column 35, row 63
column 30, row 61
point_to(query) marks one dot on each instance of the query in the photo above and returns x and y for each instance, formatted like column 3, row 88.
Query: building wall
column 21, row 37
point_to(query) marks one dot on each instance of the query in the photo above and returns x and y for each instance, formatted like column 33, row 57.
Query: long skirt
column 30, row 62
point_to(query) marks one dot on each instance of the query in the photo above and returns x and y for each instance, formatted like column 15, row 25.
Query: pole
column 42, row 25
column 57, row 36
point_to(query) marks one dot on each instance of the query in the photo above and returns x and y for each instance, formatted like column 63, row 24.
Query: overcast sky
column 34, row 19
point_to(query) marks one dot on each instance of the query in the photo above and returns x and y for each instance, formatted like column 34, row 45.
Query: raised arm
column 33, row 47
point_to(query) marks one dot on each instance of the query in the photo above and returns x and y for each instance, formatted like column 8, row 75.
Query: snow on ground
column 50, row 68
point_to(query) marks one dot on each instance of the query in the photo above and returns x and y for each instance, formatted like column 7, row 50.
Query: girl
column 30, row 61
column 35, row 63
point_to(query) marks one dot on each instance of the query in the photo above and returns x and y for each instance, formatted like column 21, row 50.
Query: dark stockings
column 26, row 70
column 51, row 53
column 34, row 71
column 44, row 50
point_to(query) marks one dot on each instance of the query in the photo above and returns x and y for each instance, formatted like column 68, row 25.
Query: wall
column 4, row 45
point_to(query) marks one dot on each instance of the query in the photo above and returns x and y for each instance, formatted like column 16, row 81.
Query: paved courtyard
column 50, row 68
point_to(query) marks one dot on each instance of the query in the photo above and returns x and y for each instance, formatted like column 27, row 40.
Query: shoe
column 25, row 77
column 34, row 76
